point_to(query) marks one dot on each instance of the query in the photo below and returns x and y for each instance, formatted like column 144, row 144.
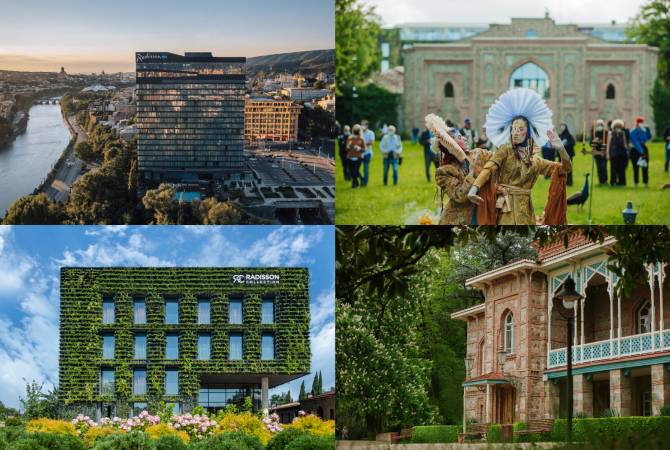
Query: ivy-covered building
column 131, row 338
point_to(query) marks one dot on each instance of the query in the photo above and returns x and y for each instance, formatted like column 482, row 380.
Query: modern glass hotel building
column 133, row 337
column 190, row 115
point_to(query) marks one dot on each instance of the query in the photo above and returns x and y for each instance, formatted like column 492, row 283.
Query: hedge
column 435, row 433
column 494, row 434
column 608, row 428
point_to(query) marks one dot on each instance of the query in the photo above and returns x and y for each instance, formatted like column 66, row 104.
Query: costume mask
column 519, row 131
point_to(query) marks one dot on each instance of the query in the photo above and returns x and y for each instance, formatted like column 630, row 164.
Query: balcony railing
column 638, row 344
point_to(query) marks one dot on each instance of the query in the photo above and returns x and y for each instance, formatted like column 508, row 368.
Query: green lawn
column 414, row 196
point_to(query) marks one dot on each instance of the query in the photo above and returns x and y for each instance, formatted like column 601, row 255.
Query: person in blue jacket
column 639, row 153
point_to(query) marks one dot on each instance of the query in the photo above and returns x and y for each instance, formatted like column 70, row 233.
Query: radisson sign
column 256, row 278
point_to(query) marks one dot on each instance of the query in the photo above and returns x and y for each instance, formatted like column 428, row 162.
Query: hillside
column 309, row 62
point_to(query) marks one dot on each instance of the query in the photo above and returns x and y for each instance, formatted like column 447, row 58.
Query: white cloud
column 135, row 252
column 323, row 308
column 394, row 12
column 109, row 230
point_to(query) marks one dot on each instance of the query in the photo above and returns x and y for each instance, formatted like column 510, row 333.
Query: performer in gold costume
column 518, row 124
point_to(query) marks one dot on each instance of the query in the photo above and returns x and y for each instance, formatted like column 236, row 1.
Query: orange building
column 270, row 119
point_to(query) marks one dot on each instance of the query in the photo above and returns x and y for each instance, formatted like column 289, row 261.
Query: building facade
column 322, row 405
column 270, row 119
column 132, row 337
column 517, row 339
column 190, row 113
column 582, row 76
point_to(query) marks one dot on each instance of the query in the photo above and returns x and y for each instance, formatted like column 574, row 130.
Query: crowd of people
column 610, row 143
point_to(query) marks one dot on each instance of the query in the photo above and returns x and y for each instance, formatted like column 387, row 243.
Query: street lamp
column 567, row 297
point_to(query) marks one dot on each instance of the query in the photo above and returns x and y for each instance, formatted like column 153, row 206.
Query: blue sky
column 87, row 36
column 31, row 257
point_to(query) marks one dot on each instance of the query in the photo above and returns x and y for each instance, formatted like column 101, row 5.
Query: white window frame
column 508, row 326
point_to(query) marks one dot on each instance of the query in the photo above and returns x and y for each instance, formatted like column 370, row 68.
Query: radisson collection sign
column 256, row 278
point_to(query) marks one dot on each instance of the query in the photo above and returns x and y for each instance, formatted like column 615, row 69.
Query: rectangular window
column 203, row 311
column 268, row 311
column 268, row 346
column 172, row 311
column 172, row 346
column 139, row 382
column 140, row 346
column 235, row 346
column 107, row 310
column 138, row 407
column 107, row 346
column 140, row 311
column 107, row 382
column 204, row 346
column 172, row 382
column 235, row 311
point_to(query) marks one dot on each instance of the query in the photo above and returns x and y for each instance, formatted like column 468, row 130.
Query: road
column 69, row 170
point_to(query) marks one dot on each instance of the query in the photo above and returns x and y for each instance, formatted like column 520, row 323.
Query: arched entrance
column 531, row 76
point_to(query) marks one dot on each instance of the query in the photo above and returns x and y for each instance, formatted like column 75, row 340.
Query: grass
column 414, row 196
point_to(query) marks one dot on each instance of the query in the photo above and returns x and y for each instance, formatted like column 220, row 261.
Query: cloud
column 110, row 230
column 323, row 308
column 134, row 251
column 286, row 245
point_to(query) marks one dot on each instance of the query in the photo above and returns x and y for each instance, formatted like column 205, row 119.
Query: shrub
column 436, row 433
column 135, row 440
column 280, row 440
column 48, row 441
column 494, row 434
column 606, row 429
column 665, row 411
column 13, row 421
column 196, row 426
column 314, row 425
column 229, row 441
column 96, row 433
column 51, row 426
column 11, row 434
column 163, row 429
column 170, row 442
column 312, row 442
column 245, row 423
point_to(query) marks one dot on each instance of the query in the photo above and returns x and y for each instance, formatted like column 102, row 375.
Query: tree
column 315, row 384
column 374, row 103
column 96, row 197
column 303, row 394
column 212, row 212
column 320, row 382
column 652, row 27
column 84, row 151
column 356, row 33
column 38, row 404
column 34, row 210
column 161, row 203
column 660, row 103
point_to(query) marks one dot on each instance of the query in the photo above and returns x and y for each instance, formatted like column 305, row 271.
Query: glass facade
column 215, row 397
column 235, row 346
column 139, row 311
column 235, row 311
column 140, row 346
column 268, row 311
column 190, row 114
column 204, row 346
column 107, row 310
column 138, row 407
column 107, row 382
column 108, row 346
column 268, row 346
column 172, row 382
column 139, row 382
column 172, row 346
column 203, row 311
column 172, row 311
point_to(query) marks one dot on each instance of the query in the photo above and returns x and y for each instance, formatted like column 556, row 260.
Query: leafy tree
column 38, row 404
column 162, row 205
column 373, row 103
column 212, row 212
column 96, row 198
column 320, row 382
column 34, row 210
column 356, row 32
column 652, row 27
column 7, row 412
column 316, row 123
column 303, row 394
column 660, row 102
column 84, row 151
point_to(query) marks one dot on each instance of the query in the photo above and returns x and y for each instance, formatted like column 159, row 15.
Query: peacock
column 579, row 198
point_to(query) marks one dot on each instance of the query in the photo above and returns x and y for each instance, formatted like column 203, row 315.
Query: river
column 25, row 162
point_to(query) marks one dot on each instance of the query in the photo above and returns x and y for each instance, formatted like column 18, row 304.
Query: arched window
column 531, row 76
column 611, row 92
column 508, row 337
column 644, row 318
column 449, row 90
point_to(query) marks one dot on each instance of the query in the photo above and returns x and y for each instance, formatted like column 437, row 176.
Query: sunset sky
column 85, row 36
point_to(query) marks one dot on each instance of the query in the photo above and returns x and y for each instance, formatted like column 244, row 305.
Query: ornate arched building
column 582, row 76
column 516, row 339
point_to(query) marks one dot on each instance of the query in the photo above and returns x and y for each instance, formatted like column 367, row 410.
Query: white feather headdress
column 518, row 102
column 436, row 124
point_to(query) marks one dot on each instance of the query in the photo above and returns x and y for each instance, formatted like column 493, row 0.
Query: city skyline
column 42, row 36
